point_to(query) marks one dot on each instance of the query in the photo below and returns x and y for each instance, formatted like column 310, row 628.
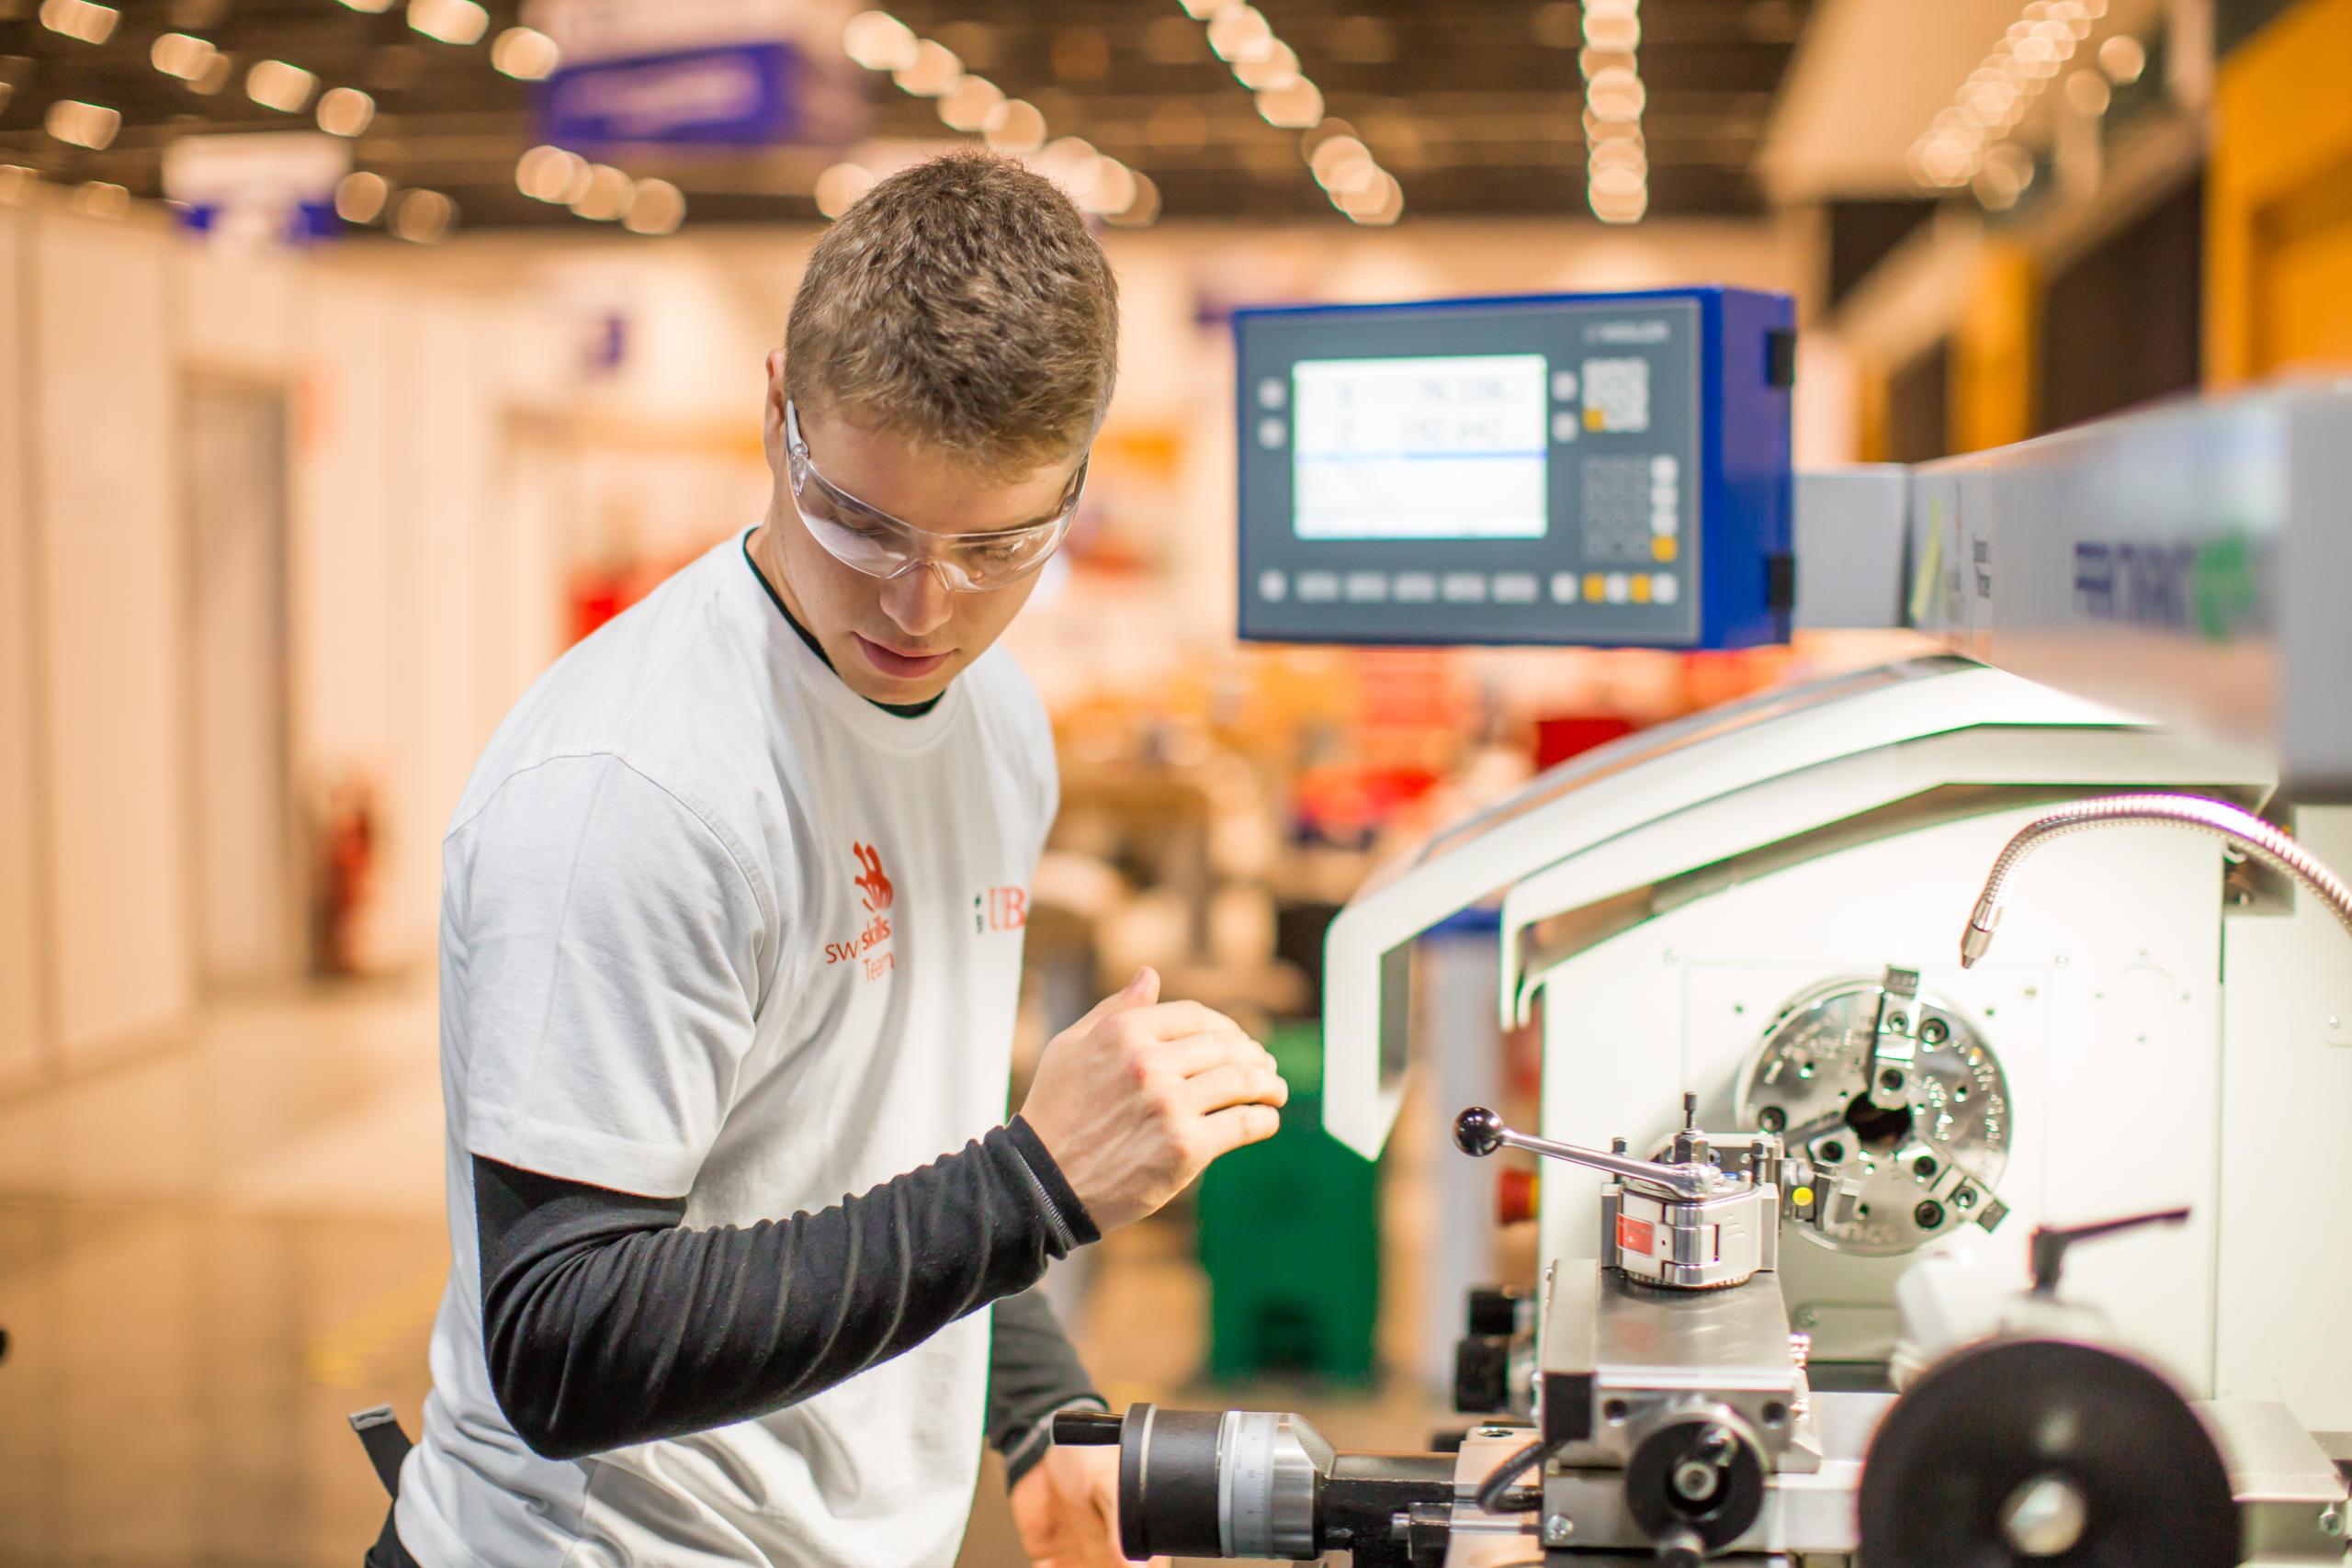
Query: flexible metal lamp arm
column 2250, row 834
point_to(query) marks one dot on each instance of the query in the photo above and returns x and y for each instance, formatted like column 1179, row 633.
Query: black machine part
column 2019, row 1452
column 1696, row 1479
column 2050, row 1243
column 1260, row 1484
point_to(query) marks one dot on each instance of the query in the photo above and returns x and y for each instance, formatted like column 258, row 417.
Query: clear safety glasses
column 882, row 546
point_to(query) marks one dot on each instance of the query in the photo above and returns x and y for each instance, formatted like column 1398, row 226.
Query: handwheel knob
column 1478, row 1131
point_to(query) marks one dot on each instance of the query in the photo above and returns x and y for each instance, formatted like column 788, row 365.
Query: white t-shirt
column 714, row 926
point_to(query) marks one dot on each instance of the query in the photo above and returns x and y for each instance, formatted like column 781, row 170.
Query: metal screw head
column 1929, row 1214
column 1695, row 1480
column 1924, row 1167
column 2331, row 1519
column 1558, row 1529
column 1891, row 1081
column 2045, row 1515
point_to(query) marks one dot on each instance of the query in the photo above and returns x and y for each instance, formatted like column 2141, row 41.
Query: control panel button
column 1367, row 587
column 1318, row 587
column 1465, row 588
column 1416, row 588
column 1564, row 588
column 1272, row 432
column 1272, row 587
column 1514, row 588
column 1664, row 588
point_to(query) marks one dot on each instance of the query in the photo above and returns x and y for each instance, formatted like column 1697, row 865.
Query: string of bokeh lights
column 1617, row 167
column 1352, row 177
column 968, row 102
column 1970, row 142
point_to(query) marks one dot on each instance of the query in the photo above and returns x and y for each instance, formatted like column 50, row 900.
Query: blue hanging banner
column 697, row 72
column 731, row 95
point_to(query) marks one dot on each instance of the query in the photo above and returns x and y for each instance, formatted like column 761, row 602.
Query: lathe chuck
column 1894, row 1161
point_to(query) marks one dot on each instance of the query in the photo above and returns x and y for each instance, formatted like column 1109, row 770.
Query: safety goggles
column 882, row 546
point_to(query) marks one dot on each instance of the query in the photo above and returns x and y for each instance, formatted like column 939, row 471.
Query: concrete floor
column 210, row 1252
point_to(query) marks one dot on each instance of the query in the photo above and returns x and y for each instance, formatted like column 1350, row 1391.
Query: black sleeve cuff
column 1067, row 1215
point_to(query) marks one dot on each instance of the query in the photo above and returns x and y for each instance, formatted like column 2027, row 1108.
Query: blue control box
column 1596, row 469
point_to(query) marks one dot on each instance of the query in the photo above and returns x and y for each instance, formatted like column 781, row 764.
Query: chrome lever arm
column 1480, row 1130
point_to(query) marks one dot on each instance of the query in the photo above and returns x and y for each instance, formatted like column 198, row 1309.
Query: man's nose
column 918, row 602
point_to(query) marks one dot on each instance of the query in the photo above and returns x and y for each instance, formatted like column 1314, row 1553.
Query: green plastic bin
column 1290, row 1240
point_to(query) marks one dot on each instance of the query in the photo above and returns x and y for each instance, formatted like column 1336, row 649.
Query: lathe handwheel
column 2034, row 1452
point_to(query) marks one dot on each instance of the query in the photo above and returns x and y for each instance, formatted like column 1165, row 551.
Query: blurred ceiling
column 1474, row 105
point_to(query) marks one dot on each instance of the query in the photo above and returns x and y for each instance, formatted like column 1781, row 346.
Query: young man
column 731, row 930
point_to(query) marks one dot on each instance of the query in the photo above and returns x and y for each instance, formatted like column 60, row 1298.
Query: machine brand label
column 1636, row 1237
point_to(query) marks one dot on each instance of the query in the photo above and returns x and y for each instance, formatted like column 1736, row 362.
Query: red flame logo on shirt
column 874, row 883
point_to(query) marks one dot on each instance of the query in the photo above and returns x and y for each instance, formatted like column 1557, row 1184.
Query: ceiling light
column 840, row 187
column 608, row 196
column 274, row 84
column 1616, row 93
column 1365, row 203
column 345, row 111
column 181, row 54
column 1619, row 155
column 451, row 21
column 16, row 183
column 1072, row 162
column 2123, row 58
column 971, row 104
column 372, row 7
column 1607, row 30
column 1293, row 108
column 80, row 19
column 423, row 217
column 215, row 75
column 1201, row 10
column 1018, row 127
column 1142, row 208
column 360, row 197
column 880, row 41
column 1627, row 208
column 526, row 53
column 1234, row 26
column 1273, row 66
column 2088, row 93
column 1113, row 188
column 83, row 125
column 1333, row 150
column 553, row 174
column 934, row 71
column 656, row 207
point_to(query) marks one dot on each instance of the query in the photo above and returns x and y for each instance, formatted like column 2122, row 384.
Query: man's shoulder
column 672, row 689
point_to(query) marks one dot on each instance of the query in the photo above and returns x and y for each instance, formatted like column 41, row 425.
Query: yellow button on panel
column 1594, row 586
column 1664, row 549
column 1641, row 586
column 1592, row 417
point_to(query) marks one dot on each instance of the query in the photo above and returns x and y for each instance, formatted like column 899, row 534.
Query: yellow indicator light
column 1803, row 1197
column 1641, row 589
column 1594, row 588
column 1593, row 417
column 1663, row 548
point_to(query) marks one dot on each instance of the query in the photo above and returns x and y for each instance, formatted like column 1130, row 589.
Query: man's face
column 897, row 639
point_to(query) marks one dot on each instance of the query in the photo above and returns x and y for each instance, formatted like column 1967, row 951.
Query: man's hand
column 1067, row 1509
column 1136, row 1098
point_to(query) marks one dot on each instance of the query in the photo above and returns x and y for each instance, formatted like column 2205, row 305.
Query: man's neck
column 773, row 582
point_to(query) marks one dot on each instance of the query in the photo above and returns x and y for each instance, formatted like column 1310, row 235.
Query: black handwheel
column 2044, row 1453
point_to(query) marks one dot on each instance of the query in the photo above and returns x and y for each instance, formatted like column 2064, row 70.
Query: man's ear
column 772, row 414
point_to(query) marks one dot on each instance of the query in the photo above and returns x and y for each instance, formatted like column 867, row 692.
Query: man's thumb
column 1141, row 992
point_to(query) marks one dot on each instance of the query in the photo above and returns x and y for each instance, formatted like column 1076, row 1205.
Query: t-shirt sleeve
column 606, row 947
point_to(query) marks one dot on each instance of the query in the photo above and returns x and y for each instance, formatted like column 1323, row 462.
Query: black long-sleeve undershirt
column 607, row 1322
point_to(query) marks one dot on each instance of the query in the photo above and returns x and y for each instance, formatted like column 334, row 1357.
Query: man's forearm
column 606, row 1323
column 1033, row 1373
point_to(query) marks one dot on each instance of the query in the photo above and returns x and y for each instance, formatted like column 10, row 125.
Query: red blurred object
column 346, row 874
column 1344, row 804
column 1563, row 737
column 1516, row 1190
column 596, row 597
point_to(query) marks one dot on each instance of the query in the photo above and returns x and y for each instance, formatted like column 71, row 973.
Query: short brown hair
column 963, row 301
